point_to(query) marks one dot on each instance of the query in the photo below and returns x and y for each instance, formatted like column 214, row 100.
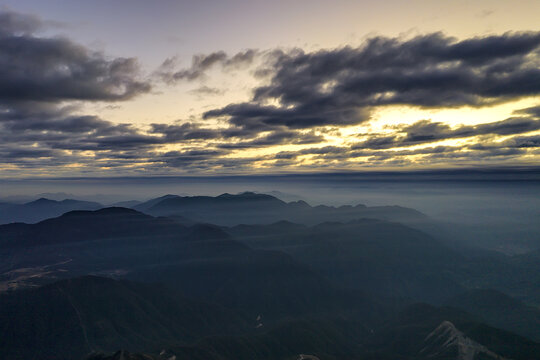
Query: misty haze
column 240, row 180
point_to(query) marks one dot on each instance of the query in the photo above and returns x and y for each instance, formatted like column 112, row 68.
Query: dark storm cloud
column 12, row 23
column 489, row 150
column 204, row 159
column 531, row 111
column 339, row 86
column 168, row 73
column 307, row 92
column 516, row 142
column 69, row 124
column 22, row 153
column 276, row 138
column 50, row 123
column 49, row 127
column 185, row 131
column 124, row 141
column 34, row 68
column 508, row 127
column 425, row 131
column 244, row 138
column 316, row 113
column 38, row 75
column 190, row 131
column 523, row 142
column 200, row 64
column 191, row 155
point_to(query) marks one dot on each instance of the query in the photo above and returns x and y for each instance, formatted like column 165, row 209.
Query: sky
column 151, row 88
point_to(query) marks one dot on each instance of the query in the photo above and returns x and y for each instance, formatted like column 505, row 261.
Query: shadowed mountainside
column 42, row 209
column 365, row 254
column 418, row 332
column 201, row 261
column 252, row 208
column 500, row 310
column 336, row 289
column 71, row 318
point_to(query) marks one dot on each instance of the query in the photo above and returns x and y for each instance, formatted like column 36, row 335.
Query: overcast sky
column 120, row 88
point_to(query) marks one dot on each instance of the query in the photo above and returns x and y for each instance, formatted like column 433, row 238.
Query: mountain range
column 254, row 208
column 41, row 209
column 200, row 278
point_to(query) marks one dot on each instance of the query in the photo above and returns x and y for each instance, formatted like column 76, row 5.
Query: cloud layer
column 339, row 86
column 292, row 120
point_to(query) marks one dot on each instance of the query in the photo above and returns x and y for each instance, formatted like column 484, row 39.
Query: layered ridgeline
column 202, row 261
column 500, row 310
column 380, row 257
column 225, row 209
column 409, row 339
column 422, row 331
column 253, row 208
column 42, row 209
column 71, row 318
column 393, row 260
column 93, row 316
column 335, row 289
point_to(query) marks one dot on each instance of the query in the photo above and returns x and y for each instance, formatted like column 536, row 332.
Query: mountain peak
column 42, row 201
column 446, row 338
column 104, row 212
column 116, row 210
column 246, row 195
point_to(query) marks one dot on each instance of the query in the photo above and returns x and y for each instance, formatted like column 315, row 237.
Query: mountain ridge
column 254, row 208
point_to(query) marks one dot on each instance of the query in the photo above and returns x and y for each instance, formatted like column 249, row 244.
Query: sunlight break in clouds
column 426, row 101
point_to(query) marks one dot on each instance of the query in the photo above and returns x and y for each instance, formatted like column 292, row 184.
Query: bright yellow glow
column 398, row 114
column 322, row 26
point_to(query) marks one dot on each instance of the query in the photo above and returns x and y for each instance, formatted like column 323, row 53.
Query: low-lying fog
column 501, row 205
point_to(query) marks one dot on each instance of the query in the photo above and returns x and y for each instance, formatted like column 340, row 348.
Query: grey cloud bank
column 309, row 95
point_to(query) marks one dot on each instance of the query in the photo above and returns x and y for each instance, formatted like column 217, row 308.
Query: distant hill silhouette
column 377, row 256
column 42, row 209
column 249, row 276
column 202, row 260
column 126, row 204
column 254, row 208
column 75, row 226
column 500, row 310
